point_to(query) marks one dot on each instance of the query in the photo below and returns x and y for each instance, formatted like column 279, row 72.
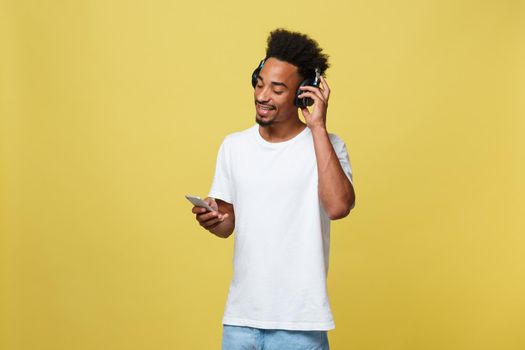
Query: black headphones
column 299, row 102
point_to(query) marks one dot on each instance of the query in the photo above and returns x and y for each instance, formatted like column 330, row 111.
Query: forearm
column 335, row 190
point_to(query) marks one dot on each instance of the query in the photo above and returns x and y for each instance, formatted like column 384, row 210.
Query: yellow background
column 111, row 111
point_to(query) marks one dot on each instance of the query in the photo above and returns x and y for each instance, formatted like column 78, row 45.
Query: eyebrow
column 278, row 83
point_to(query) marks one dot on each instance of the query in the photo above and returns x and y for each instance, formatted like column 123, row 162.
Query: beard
column 262, row 122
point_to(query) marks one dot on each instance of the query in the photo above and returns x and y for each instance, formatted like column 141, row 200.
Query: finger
column 207, row 216
column 198, row 210
column 211, row 227
column 314, row 90
column 306, row 112
column 211, row 202
column 220, row 217
column 209, row 223
column 317, row 99
column 326, row 88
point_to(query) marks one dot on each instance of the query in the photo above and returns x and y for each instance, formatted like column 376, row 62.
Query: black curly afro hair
column 299, row 50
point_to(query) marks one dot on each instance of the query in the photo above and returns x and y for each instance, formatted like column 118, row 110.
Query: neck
column 282, row 131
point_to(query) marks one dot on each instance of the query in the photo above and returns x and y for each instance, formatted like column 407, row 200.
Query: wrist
column 318, row 129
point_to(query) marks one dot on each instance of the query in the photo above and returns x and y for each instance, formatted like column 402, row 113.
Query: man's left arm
column 335, row 190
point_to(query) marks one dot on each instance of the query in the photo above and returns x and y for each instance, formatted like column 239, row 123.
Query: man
column 278, row 184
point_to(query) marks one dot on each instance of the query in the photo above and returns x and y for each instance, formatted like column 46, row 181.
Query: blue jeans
column 248, row 338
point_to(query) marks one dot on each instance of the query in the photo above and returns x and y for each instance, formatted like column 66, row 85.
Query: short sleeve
column 221, row 187
column 344, row 158
column 342, row 155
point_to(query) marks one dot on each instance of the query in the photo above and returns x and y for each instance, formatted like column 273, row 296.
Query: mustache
column 264, row 104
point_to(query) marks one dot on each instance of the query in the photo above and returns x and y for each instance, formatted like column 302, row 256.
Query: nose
column 262, row 94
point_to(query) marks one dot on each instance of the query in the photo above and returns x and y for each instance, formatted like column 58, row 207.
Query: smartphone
column 198, row 201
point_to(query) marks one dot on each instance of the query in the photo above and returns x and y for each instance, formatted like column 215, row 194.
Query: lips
column 264, row 110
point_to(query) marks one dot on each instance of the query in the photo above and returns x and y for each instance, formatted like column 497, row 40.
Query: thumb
column 211, row 202
column 305, row 112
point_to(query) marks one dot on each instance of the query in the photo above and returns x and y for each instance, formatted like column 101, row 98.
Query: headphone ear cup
column 304, row 101
column 255, row 74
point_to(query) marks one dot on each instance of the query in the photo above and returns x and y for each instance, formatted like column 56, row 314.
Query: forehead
column 277, row 70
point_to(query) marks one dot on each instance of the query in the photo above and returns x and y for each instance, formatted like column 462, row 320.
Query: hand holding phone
column 207, row 211
column 199, row 202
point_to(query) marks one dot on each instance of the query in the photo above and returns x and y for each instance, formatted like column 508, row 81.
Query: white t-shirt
column 282, row 233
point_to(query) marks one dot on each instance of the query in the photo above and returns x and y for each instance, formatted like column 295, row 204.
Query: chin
column 263, row 122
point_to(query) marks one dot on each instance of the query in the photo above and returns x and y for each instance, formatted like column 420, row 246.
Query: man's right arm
column 220, row 222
